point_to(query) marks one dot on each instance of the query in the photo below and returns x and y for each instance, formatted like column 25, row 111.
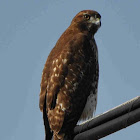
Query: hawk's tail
column 48, row 133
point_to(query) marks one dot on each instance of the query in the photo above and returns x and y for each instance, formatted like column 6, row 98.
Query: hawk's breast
column 91, row 102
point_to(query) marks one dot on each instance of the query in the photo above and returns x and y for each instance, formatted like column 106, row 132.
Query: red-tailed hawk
column 70, row 77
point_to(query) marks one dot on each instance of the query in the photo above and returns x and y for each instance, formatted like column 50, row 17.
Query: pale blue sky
column 30, row 29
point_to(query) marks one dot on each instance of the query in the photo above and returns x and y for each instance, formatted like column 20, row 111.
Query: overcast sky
column 28, row 32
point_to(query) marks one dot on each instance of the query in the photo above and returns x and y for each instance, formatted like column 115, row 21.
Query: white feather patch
column 89, row 109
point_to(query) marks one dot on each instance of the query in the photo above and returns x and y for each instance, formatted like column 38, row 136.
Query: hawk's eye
column 87, row 16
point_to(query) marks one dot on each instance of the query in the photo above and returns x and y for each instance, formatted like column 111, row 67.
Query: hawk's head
column 87, row 20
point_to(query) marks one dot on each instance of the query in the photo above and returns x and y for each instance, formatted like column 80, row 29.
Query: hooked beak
column 96, row 21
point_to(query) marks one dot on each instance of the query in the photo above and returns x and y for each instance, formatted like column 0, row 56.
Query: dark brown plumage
column 70, row 77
